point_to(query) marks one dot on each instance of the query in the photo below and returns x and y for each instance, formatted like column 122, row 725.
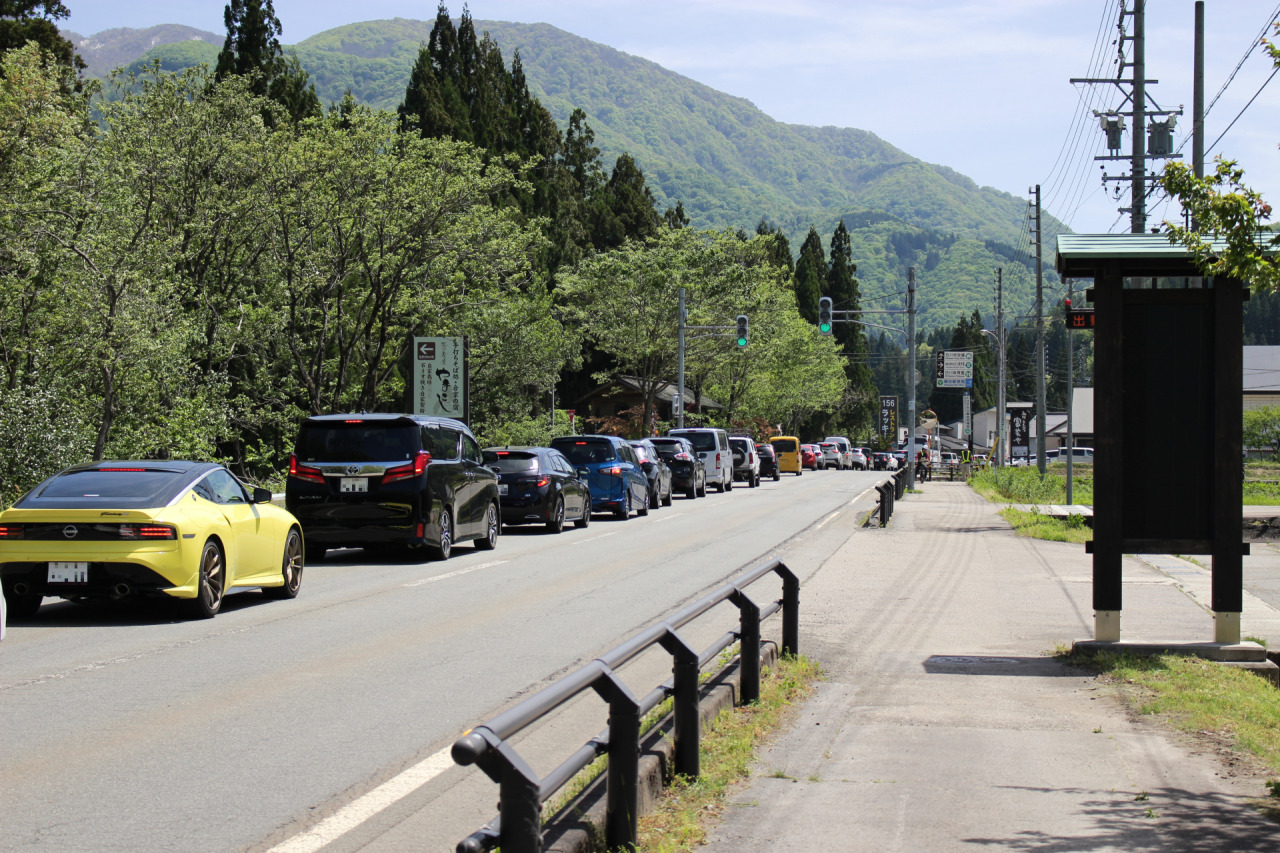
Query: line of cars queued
column 390, row 483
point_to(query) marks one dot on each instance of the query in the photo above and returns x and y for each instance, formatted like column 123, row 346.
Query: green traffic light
column 742, row 342
column 824, row 328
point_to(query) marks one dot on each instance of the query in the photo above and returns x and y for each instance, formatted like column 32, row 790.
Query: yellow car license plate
column 68, row 572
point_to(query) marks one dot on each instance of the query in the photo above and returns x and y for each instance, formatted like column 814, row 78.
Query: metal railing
column 890, row 491
column 518, row 827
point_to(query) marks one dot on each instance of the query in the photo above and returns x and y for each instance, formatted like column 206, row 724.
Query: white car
column 832, row 456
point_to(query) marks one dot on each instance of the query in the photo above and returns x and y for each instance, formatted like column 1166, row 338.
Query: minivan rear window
column 585, row 451
column 511, row 461
column 702, row 441
column 784, row 445
column 366, row 441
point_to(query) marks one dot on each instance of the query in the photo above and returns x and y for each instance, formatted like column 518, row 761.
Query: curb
column 579, row 826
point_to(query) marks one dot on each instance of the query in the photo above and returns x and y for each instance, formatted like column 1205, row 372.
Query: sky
column 981, row 86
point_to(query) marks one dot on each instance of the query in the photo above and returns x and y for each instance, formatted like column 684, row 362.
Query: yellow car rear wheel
column 211, row 584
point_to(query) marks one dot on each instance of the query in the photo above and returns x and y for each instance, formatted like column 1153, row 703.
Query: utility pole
column 1040, row 366
column 1134, row 90
column 680, row 315
column 1138, row 187
column 911, row 376
column 1197, row 97
column 1001, row 402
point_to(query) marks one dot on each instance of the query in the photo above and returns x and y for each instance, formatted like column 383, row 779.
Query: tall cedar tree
column 842, row 287
column 460, row 88
column 22, row 21
column 780, row 249
column 811, row 271
column 253, row 45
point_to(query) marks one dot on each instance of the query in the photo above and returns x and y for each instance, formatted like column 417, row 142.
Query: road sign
column 1079, row 318
column 954, row 369
column 968, row 416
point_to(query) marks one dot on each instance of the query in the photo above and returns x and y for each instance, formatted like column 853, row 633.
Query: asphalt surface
column 945, row 724
column 324, row 722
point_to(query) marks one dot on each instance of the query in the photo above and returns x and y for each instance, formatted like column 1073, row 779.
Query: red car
column 810, row 456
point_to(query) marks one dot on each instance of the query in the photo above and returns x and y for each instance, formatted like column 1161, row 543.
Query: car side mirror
column 261, row 495
column 583, row 472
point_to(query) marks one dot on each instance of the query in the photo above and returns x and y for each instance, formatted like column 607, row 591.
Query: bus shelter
column 1167, row 350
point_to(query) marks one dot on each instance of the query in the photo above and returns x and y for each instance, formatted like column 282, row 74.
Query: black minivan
column 374, row 480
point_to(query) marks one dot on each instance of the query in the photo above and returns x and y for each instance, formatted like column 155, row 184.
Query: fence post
column 684, row 700
column 790, row 611
column 519, row 803
column 749, row 643
column 622, row 788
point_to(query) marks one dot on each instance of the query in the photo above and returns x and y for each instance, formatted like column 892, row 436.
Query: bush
column 39, row 436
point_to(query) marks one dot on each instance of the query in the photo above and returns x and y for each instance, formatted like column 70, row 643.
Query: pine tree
column 811, row 271
column 252, row 47
column 631, row 214
column 780, row 248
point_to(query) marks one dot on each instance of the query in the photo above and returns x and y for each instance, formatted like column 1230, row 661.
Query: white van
column 712, row 445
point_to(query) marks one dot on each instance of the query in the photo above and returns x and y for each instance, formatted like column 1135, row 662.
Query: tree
column 24, row 21
column 811, row 271
column 252, row 49
column 1227, row 236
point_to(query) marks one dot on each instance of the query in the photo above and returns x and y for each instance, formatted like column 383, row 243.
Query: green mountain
column 725, row 160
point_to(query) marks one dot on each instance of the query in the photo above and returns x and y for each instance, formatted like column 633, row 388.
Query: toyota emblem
column 70, row 531
column 352, row 470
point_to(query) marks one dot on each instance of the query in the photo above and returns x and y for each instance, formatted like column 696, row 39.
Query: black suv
column 371, row 480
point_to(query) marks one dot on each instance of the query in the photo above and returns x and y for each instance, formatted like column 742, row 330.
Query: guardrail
column 518, row 827
column 891, row 490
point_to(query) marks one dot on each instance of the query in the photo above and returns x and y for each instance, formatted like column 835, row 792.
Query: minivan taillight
column 406, row 472
column 304, row 472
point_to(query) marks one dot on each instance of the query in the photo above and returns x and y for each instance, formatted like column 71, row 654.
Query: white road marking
column 861, row 496
column 825, row 520
column 448, row 575
column 668, row 517
column 358, row 811
column 594, row 538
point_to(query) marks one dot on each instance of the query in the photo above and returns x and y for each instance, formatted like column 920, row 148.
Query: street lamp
column 1000, row 401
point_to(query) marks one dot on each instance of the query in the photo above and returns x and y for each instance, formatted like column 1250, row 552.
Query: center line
column 448, row 575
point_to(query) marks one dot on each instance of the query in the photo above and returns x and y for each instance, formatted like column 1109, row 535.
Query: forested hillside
column 725, row 161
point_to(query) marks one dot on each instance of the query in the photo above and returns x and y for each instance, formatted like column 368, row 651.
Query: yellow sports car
column 185, row 530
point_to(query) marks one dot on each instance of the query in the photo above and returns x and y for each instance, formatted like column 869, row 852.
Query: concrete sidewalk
column 944, row 725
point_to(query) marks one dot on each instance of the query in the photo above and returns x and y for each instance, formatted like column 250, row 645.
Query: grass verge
column 728, row 747
column 1036, row 525
column 1231, row 707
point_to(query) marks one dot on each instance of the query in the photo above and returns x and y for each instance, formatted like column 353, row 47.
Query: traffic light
column 742, row 330
column 824, row 315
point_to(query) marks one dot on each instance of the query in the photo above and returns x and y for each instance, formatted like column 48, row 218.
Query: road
column 127, row 729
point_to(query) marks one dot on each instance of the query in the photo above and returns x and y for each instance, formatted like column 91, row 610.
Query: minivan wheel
column 491, row 527
column 445, row 548
column 623, row 510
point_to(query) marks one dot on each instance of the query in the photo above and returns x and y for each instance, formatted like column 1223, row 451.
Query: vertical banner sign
column 440, row 377
column 1020, row 432
column 889, row 416
column 968, row 414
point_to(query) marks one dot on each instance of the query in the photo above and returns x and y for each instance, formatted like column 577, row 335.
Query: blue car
column 617, row 480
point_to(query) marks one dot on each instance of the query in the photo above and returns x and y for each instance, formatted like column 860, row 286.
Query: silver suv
column 746, row 462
